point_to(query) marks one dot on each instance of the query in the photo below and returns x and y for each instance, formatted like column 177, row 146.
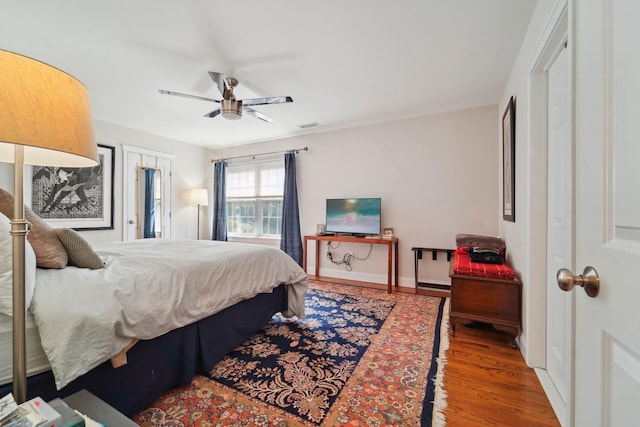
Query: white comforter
column 147, row 288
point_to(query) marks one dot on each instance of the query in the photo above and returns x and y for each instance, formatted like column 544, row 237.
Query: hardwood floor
column 489, row 384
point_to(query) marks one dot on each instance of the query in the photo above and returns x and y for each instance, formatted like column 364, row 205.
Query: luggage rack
column 418, row 255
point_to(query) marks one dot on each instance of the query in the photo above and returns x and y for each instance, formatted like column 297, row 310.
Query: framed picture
column 509, row 162
column 78, row 198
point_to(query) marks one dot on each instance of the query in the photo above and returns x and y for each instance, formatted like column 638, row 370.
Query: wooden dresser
column 487, row 300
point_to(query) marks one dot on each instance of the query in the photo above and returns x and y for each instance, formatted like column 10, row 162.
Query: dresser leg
column 511, row 331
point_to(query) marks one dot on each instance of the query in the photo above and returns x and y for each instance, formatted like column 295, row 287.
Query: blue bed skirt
column 155, row 366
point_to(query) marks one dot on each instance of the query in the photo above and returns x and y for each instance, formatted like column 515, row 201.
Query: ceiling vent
column 310, row 125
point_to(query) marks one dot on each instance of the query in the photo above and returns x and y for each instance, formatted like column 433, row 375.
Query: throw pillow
column 6, row 269
column 49, row 251
column 78, row 249
column 486, row 255
column 476, row 240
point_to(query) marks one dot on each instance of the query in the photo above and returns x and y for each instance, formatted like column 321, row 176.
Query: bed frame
column 170, row 360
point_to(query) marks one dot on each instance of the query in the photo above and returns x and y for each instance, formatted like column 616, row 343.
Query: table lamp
column 45, row 120
column 200, row 197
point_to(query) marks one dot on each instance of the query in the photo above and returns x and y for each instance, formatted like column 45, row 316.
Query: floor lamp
column 200, row 197
column 45, row 120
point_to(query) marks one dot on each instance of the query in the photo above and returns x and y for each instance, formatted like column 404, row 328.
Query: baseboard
column 559, row 406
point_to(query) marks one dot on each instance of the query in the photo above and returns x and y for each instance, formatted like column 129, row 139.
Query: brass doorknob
column 589, row 280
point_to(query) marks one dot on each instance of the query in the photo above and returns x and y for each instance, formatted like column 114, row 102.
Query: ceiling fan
column 230, row 107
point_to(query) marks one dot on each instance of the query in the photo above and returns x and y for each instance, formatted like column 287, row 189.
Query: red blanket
column 463, row 265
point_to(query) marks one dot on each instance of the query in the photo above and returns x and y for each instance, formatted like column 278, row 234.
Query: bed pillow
column 80, row 252
column 475, row 240
column 48, row 249
column 6, row 267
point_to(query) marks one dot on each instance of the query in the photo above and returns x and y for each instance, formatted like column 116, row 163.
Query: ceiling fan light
column 231, row 109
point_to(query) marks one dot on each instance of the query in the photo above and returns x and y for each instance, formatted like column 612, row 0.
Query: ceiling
column 345, row 63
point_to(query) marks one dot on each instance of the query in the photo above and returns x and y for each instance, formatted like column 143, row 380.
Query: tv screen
column 353, row 216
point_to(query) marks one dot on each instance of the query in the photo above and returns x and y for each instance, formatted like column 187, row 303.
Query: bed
column 162, row 309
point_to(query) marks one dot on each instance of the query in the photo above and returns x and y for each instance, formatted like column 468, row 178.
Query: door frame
column 556, row 33
column 129, row 185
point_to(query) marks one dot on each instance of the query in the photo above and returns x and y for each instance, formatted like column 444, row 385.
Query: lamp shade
column 46, row 111
column 199, row 196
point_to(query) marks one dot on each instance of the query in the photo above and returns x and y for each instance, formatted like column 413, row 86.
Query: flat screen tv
column 353, row 216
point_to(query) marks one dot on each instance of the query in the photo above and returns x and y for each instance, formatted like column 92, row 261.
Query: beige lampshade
column 46, row 111
column 199, row 196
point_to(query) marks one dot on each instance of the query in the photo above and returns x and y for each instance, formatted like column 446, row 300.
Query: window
column 254, row 199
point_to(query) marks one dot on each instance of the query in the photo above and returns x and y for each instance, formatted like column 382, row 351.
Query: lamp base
column 19, row 230
column 198, row 222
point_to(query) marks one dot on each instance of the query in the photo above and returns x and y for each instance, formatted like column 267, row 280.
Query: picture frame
column 77, row 198
column 509, row 162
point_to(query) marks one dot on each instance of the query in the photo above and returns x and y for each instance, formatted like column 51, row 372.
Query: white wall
column 191, row 170
column 519, row 235
column 436, row 176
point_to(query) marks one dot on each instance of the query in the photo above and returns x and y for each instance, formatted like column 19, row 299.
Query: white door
column 559, row 236
column 607, row 376
column 134, row 158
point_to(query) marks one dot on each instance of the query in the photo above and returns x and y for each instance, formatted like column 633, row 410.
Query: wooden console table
column 392, row 251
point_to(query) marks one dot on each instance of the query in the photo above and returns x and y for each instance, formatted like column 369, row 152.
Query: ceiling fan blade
column 268, row 100
column 255, row 113
column 212, row 113
column 186, row 95
column 218, row 79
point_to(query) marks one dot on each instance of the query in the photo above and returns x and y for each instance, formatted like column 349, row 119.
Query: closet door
column 607, row 357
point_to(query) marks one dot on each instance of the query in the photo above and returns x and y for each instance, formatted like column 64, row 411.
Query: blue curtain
column 220, row 202
column 149, row 204
column 291, row 239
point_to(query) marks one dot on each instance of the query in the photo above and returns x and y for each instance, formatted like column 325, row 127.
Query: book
column 7, row 406
column 33, row 413
column 89, row 422
column 70, row 418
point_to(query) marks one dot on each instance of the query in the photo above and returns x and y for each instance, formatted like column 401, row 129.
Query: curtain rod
column 253, row 156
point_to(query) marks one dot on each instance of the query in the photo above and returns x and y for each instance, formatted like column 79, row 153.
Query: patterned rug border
column 440, row 395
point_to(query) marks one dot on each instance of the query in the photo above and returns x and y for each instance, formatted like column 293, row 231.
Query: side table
column 87, row 403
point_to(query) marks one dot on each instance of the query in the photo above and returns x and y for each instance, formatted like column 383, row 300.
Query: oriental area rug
column 361, row 357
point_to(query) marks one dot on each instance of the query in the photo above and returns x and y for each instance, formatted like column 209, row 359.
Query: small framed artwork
column 387, row 232
column 321, row 229
column 78, row 198
column 509, row 162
